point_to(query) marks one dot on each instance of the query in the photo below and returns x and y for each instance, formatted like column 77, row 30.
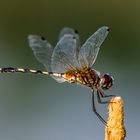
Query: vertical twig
column 115, row 129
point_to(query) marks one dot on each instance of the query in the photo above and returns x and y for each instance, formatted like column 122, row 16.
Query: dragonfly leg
column 99, row 98
column 94, row 110
column 103, row 95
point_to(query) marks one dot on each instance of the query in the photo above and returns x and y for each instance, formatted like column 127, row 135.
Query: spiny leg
column 94, row 110
column 99, row 98
column 103, row 95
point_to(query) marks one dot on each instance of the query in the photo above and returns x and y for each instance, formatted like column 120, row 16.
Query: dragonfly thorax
column 84, row 76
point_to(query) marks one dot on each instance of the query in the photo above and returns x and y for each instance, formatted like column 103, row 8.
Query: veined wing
column 71, row 31
column 89, row 50
column 64, row 56
column 42, row 50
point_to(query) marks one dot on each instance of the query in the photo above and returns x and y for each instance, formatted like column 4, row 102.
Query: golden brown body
column 83, row 76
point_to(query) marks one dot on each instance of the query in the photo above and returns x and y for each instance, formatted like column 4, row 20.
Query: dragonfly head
column 106, row 81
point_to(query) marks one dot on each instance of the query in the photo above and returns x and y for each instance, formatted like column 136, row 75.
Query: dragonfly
column 69, row 61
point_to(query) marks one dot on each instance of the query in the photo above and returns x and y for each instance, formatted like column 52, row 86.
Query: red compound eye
column 107, row 81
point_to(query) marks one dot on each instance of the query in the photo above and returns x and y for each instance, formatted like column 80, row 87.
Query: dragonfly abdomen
column 26, row 70
column 21, row 70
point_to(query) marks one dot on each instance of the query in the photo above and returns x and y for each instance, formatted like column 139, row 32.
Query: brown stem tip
column 115, row 129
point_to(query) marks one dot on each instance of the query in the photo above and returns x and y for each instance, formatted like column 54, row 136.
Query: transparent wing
column 74, row 33
column 90, row 48
column 64, row 56
column 71, row 31
column 42, row 50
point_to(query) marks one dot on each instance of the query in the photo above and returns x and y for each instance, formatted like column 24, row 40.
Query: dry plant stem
column 115, row 129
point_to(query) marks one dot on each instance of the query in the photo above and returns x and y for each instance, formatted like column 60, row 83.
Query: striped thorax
column 84, row 76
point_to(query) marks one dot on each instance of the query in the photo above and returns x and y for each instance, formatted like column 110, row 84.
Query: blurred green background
column 37, row 107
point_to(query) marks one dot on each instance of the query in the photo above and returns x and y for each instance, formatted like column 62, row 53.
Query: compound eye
column 107, row 81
